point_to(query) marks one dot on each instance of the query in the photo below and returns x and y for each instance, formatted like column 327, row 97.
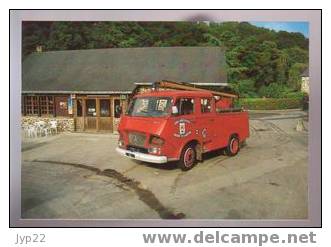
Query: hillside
column 260, row 62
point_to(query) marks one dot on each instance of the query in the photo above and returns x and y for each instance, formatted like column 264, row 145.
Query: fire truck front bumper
column 142, row 157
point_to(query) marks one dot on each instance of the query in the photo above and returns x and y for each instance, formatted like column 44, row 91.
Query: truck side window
column 185, row 106
column 205, row 105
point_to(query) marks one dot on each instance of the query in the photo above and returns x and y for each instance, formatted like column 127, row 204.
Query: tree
column 34, row 34
column 295, row 75
column 245, row 88
column 296, row 54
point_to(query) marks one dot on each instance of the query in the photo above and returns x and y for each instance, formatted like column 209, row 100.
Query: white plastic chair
column 53, row 126
column 42, row 128
column 31, row 131
column 24, row 127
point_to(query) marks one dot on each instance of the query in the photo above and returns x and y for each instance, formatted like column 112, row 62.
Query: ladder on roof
column 190, row 87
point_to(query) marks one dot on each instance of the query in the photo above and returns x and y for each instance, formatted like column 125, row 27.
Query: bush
column 275, row 90
column 297, row 95
column 245, row 88
column 269, row 103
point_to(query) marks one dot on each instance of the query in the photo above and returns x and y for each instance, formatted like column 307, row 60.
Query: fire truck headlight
column 156, row 141
column 120, row 143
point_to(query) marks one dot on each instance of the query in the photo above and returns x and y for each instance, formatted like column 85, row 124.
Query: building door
column 79, row 114
column 105, row 122
column 93, row 114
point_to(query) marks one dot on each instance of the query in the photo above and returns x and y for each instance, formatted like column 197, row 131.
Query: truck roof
column 175, row 93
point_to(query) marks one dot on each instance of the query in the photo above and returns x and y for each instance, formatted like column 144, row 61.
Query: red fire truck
column 180, row 125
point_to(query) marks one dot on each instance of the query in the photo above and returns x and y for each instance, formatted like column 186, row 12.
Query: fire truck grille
column 137, row 139
column 137, row 149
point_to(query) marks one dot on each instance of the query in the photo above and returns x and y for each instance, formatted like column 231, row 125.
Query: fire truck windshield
column 150, row 107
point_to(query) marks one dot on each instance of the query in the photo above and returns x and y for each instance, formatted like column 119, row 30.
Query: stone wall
column 116, row 122
column 305, row 85
column 65, row 124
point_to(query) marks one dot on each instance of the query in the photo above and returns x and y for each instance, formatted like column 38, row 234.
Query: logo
column 134, row 139
column 182, row 128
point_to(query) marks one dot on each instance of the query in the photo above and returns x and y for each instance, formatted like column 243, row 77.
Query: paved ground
column 81, row 176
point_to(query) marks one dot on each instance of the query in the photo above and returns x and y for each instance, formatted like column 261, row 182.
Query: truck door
column 207, row 124
column 184, row 122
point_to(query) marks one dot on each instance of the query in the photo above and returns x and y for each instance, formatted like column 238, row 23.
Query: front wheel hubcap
column 189, row 157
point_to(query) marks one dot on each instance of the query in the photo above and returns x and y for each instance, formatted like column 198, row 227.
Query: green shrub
column 274, row 90
column 245, row 88
column 269, row 103
column 297, row 95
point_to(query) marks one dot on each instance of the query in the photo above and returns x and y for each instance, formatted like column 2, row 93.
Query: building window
column 46, row 105
column 61, row 105
column 205, row 105
column 104, row 107
column 31, row 105
column 91, row 109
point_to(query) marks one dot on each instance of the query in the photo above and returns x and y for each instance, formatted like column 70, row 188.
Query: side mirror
column 174, row 110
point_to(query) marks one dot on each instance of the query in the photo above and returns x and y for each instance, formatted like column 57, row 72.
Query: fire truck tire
column 233, row 146
column 188, row 157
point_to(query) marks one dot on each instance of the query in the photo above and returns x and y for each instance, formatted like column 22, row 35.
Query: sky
column 301, row 27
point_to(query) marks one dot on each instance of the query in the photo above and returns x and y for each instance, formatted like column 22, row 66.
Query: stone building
column 85, row 89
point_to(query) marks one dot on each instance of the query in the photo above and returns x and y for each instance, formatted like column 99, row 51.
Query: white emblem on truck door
column 182, row 128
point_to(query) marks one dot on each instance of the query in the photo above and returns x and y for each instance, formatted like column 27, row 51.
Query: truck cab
column 174, row 125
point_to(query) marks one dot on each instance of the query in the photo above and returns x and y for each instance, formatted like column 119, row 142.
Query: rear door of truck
column 206, row 123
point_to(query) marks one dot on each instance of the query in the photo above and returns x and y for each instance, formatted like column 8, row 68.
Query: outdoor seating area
column 40, row 129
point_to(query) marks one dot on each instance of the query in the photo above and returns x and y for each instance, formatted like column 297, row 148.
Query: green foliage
column 275, row 90
column 270, row 104
column 295, row 95
column 260, row 55
column 287, row 40
column 256, row 57
column 244, row 88
column 296, row 55
column 295, row 75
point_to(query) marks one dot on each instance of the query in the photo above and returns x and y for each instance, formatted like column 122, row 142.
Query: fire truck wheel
column 188, row 157
column 233, row 146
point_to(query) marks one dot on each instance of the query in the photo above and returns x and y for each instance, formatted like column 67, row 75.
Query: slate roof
column 117, row 69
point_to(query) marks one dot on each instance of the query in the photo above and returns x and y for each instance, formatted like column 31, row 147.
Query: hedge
column 269, row 103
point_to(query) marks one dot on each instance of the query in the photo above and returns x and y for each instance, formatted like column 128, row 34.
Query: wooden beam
column 186, row 86
column 97, row 119
column 24, row 104
column 54, row 106
column 83, row 112
column 39, row 106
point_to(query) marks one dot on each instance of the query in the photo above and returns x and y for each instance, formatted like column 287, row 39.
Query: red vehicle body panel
column 224, row 103
column 211, row 130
